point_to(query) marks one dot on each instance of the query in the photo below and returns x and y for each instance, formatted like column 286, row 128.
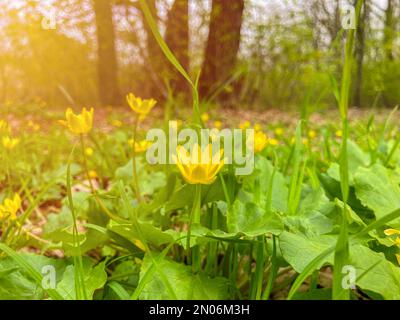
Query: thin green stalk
column 173, row 60
column 273, row 272
column 8, row 174
column 85, row 163
column 134, row 168
column 213, row 246
column 80, row 288
column 342, row 246
column 102, row 153
column 94, row 192
column 392, row 151
column 259, row 272
column 194, row 218
column 233, row 265
column 225, row 189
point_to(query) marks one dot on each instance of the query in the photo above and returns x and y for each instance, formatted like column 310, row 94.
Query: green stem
column 194, row 218
column 134, row 167
column 103, row 154
column 80, row 290
column 85, row 163
column 213, row 246
column 273, row 272
column 258, row 275
column 8, row 169
column 94, row 192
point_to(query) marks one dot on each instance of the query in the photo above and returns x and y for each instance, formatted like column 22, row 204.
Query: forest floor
column 106, row 118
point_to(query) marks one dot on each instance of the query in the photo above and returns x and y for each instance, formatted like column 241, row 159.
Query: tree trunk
column 389, row 30
column 107, row 58
column 155, row 56
column 177, row 39
column 222, row 45
column 360, row 50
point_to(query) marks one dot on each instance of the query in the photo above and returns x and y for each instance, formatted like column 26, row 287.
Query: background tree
column 283, row 49
column 389, row 29
column 106, row 53
column 177, row 38
column 222, row 44
column 360, row 51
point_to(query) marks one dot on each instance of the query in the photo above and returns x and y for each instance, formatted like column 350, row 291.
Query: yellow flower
column 93, row 174
column 199, row 166
column 257, row 127
column 391, row 232
column 205, row 117
column 339, row 133
column 140, row 146
column 260, row 141
column 89, row 151
column 10, row 207
column 273, row 142
column 245, row 125
column 218, row 124
column 10, row 143
column 79, row 124
column 140, row 106
column 312, row 134
column 4, row 127
column 278, row 132
column 33, row 125
column 117, row 123
column 396, row 240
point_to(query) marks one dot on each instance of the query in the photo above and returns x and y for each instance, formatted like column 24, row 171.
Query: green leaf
column 252, row 220
column 119, row 290
column 378, row 190
column 381, row 276
column 17, row 284
column 318, row 294
column 150, row 233
column 31, row 270
column 149, row 181
column 261, row 176
column 357, row 158
column 299, row 250
column 311, row 217
column 183, row 197
column 93, row 277
column 185, row 285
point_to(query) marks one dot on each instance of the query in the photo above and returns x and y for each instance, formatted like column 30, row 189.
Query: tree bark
column 360, row 51
column 222, row 45
column 389, row 30
column 107, row 58
column 177, row 39
column 155, row 56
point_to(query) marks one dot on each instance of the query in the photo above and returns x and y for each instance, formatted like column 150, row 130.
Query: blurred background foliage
column 254, row 54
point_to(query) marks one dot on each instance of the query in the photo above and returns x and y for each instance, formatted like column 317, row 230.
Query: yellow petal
column 390, row 232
